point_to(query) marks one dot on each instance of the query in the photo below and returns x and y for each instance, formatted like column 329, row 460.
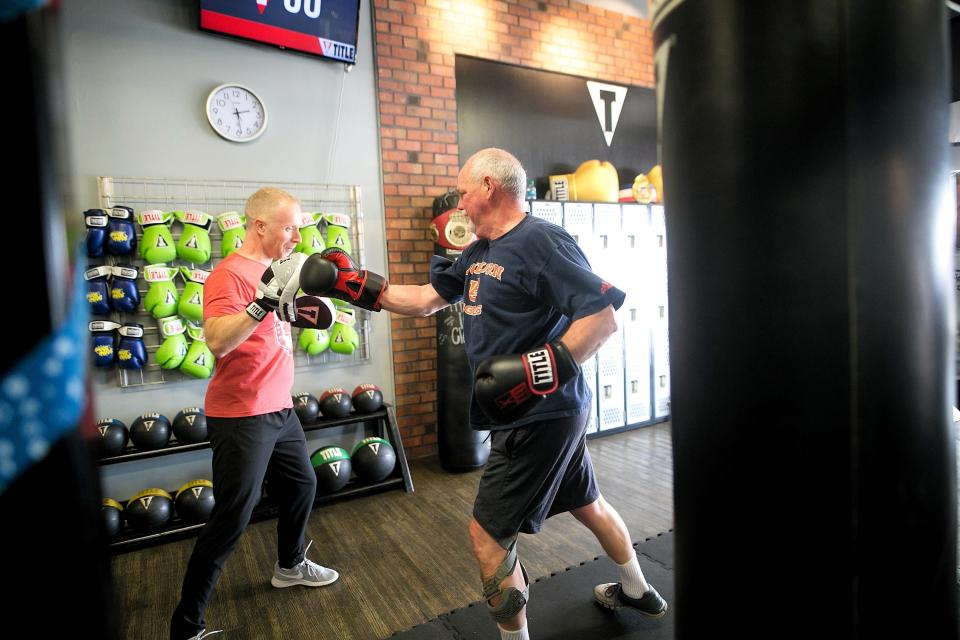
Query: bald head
column 265, row 203
column 500, row 165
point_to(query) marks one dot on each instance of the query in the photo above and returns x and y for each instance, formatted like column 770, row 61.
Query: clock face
column 236, row 113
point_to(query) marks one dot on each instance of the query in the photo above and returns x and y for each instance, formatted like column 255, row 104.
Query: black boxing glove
column 508, row 387
column 346, row 281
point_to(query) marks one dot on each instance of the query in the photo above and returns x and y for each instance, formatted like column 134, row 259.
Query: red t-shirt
column 257, row 376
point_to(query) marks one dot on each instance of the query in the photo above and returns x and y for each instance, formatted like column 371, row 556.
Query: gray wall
column 137, row 75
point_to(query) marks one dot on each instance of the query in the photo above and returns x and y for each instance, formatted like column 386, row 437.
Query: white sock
column 519, row 634
column 631, row 578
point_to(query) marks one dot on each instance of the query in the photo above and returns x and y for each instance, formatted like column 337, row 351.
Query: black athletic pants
column 244, row 451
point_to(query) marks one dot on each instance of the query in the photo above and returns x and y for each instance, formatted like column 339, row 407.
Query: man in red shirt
column 253, row 429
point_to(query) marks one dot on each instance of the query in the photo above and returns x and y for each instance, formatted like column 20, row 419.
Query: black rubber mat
column 561, row 605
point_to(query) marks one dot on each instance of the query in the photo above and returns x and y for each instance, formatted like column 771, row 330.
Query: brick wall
column 416, row 42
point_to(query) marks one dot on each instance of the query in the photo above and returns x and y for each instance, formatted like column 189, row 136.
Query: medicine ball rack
column 385, row 426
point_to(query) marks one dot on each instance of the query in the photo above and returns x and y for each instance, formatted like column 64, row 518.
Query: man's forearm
column 412, row 300
column 586, row 335
column 226, row 333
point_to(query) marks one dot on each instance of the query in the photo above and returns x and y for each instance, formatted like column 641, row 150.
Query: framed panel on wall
column 553, row 121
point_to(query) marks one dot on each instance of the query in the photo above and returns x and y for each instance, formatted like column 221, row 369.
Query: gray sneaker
column 205, row 634
column 307, row 573
column 611, row 596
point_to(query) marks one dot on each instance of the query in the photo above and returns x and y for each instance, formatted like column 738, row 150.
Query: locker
column 610, row 383
column 638, row 398
column 578, row 221
column 589, row 372
column 549, row 211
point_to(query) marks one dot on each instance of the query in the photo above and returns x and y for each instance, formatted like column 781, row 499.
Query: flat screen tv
column 324, row 28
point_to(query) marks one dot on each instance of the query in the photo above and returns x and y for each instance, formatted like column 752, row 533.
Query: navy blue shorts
column 535, row 471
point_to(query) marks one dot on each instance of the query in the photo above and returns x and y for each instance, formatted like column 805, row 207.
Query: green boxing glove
column 314, row 341
column 194, row 243
column 233, row 226
column 191, row 302
column 343, row 337
column 199, row 360
column 162, row 296
column 311, row 239
column 338, row 231
column 157, row 242
column 173, row 350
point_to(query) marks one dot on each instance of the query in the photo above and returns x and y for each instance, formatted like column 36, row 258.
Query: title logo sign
column 608, row 102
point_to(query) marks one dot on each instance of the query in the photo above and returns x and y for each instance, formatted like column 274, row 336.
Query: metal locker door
column 610, row 383
column 589, row 373
column 549, row 211
column 609, row 243
column 578, row 221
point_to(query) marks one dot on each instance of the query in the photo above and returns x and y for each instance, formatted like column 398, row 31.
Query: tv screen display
column 326, row 28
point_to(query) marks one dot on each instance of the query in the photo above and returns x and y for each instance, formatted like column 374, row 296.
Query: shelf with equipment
column 213, row 197
column 383, row 423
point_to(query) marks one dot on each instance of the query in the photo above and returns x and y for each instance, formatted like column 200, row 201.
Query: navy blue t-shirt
column 520, row 291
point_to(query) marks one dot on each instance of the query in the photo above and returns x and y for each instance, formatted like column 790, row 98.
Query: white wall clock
column 236, row 113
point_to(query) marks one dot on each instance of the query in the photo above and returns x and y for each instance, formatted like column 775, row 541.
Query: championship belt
column 452, row 230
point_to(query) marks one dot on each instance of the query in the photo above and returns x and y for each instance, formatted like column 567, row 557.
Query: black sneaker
column 611, row 596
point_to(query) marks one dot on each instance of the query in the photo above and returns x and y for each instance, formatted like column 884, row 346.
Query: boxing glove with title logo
column 338, row 231
column 96, row 223
column 194, row 243
column 131, row 352
column 162, row 297
column 593, row 181
column 311, row 239
column 232, row 225
column 508, row 387
column 173, row 349
column 102, row 340
column 124, row 295
column 121, row 237
column 191, row 302
column 199, row 360
column 156, row 245
column 98, row 289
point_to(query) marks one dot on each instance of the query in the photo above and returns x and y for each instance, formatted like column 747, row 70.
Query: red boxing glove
column 359, row 287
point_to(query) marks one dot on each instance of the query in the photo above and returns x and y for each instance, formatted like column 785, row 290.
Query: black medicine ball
column 335, row 403
column 367, row 398
column 113, row 437
column 195, row 501
column 373, row 459
column 150, row 509
column 150, row 431
column 112, row 512
column 306, row 406
column 332, row 466
column 190, row 425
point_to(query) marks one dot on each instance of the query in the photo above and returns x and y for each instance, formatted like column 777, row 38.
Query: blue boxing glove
column 96, row 222
column 98, row 290
column 131, row 353
column 102, row 343
column 122, row 237
column 124, row 296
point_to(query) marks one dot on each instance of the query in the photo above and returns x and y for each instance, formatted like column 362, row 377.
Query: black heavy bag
column 461, row 448
column 809, row 243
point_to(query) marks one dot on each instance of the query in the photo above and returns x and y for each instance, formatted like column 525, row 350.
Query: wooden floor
column 404, row 558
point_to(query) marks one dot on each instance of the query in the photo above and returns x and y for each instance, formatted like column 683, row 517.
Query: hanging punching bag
column 804, row 153
column 461, row 448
